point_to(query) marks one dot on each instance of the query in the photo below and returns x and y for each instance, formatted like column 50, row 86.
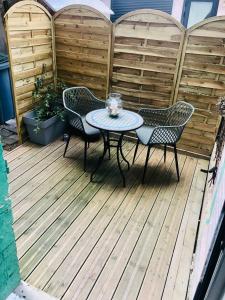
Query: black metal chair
column 78, row 101
column 163, row 126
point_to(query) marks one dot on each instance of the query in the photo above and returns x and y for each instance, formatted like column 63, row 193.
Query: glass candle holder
column 114, row 104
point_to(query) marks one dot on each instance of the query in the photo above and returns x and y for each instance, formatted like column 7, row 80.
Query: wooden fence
column 201, row 81
column 29, row 35
column 147, row 50
column 152, row 60
column 83, row 44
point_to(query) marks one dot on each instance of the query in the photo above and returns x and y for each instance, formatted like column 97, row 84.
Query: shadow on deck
column 98, row 240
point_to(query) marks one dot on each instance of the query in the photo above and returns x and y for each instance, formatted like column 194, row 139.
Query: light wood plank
column 39, row 180
column 83, row 283
column 131, row 280
column 152, row 286
column 180, row 266
column 71, row 204
column 104, row 200
column 113, row 270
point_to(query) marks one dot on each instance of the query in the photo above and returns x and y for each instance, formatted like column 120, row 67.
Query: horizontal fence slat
column 153, row 62
column 101, row 45
column 83, row 45
column 146, row 55
column 81, row 57
column 201, row 82
column 154, row 67
column 29, row 34
column 149, row 51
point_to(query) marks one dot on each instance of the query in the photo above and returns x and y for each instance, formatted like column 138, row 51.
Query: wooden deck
column 79, row 240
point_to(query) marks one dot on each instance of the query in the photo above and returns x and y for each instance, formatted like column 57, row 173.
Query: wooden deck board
column 56, row 220
column 134, row 273
column 79, row 240
column 97, row 256
column 116, row 263
column 41, row 184
column 178, row 275
column 159, row 264
column 83, row 225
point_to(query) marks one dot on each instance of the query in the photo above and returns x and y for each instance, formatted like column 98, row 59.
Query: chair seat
column 89, row 131
column 144, row 133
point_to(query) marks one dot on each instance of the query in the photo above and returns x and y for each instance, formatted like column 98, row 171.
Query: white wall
column 178, row 9
column 107, row 2
column 2, row 37
column 221, row 8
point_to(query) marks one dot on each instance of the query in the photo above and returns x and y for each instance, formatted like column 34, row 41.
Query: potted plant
column 45, row 122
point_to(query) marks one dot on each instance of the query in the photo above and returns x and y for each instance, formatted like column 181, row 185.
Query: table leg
column 119, row 151
column 108, row 144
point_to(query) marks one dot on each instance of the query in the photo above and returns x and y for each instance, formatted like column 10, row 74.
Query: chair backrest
column 176, row 118
column 179, row 114
column 79, row 100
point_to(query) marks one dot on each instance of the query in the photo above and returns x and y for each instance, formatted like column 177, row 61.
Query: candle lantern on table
column 114, row 104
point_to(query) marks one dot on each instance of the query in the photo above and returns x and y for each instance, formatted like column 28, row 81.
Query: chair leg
column 165, row 148
column 146, row 164
column 176, row 161
column 85, row 154
column 109, row 153
column 136, row 149
column 67, row 144
column 108, row 143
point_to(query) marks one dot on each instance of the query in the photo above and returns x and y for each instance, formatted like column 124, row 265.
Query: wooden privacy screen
column 153, row 62
column 83, row 43
column 147, row 51
column 202, row 81
column 29, row 35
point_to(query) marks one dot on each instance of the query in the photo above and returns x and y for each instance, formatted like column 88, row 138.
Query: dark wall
column 121, row 7
column 2, row 31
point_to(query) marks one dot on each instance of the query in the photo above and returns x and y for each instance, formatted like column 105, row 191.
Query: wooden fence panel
column 152, row 62
column 83, row 46
column 201, row 82
column 147, row 49
column 29, row 36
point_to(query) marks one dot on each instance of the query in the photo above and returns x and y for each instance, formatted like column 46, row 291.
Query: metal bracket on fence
column 212, row 171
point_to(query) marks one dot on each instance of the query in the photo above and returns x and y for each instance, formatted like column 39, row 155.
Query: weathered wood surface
column 201, row 82
column 147, row 48
column 83, row 46
column 150, row 62
column 30, row 41
column 77, row 239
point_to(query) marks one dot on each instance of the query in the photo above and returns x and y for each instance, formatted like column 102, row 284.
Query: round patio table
column 126, row 121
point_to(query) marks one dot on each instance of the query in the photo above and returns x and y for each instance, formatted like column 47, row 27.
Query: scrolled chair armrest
column 166, row 134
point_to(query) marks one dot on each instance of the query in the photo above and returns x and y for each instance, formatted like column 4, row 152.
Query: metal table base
column 108, row 144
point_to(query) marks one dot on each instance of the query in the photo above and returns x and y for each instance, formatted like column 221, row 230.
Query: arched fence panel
column 152, row 60
column 83, row 46
column 201, row 82
column 147, row 47
column 30, row 41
